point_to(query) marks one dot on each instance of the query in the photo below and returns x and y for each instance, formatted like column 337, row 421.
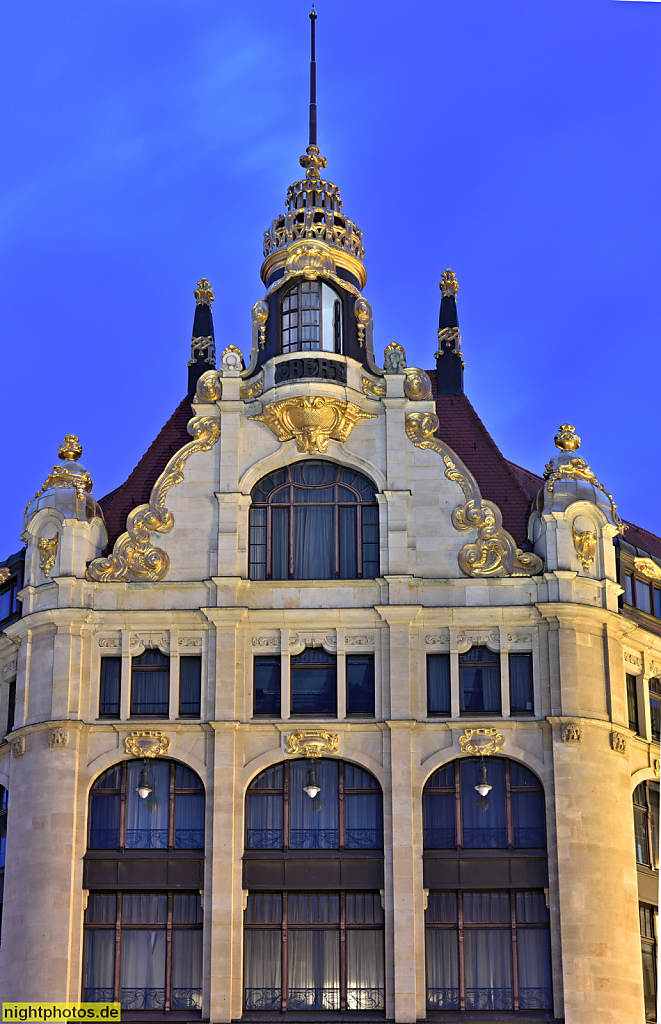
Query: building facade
column 330, row 710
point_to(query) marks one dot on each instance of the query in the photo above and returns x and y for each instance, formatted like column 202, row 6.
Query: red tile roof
column 512, row 488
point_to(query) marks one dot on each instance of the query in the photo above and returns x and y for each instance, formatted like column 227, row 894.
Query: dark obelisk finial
column 313, row 82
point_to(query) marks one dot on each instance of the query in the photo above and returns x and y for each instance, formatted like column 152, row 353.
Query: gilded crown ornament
column 71, row 449
column 448, row 283
column 567, row 440
column 203, row 293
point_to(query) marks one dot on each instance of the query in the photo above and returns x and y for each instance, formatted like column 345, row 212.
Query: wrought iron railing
column 366, row 998
column 189, row 838
column 262, row 998
column 104, row 838
column 485, row 838
column 186, row 998
column 146, row 839
column 314, row 839
column 443, row 998
column 99, row 995
column 489, row 999
column 535, row 998
column 264, row 839
column 364, row 839
column 143, row 998
column 439, row 838
column 530, row 837
column 314, row 999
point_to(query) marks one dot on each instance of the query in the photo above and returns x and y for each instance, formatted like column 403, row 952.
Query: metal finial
column 567, row 440
column 313, row 82
column 203, row 293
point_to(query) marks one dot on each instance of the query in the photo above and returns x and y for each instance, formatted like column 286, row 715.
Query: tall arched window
column 143, row 919
column 488, row 946
column 317, row 942
column 311, row 318
column 314, row 521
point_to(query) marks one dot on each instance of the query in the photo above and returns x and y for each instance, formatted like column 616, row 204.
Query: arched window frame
column 177, row 838
column 281, row 500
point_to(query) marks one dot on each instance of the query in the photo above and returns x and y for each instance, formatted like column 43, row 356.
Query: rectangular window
column 11, row 706
column 314, row 683
column 370, row 541
column 8, row 603
column 360, row 684
column 266, row 685
column 150, row 684
column 438, row 684
column 657, row 602
column 521, row 698
column 329, row 944
column 190, row 686
column 632, row 702
column 650, row 953
column 628, row 588
column 655, row 708
column 479, row 679
column 157, row 939
column 475, row 940
column 257, row 569
column 111, row 674
column 643, row 600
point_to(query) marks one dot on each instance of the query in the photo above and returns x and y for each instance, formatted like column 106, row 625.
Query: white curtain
column 534, row 968
column 262, row 969
column 189, row 821
column 365, row 984
column 143, row 969
column 442, row 969
column 488, row 953
column 314, row 548
column 314, row 970
column 186, row 970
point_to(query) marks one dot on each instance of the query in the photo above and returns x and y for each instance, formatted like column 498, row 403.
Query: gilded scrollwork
column 374, row 388
column 646, row 567
column 134, row 558
column 209, row 387
column 260, row 314
column 252, row 390
column 363, row 314
column 48, row 550
column 312, row 743
column 494, row 552
column 312, row 420
column 231, row 361
column 417, row 386
column 146, row 743
column 449, row 338
column 481, row 742
column 5, row 573
column 585, row 543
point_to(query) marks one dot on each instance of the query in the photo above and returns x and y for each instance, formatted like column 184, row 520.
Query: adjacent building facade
column 330, row 710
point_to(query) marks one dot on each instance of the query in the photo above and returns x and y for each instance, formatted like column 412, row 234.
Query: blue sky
column 151, row 142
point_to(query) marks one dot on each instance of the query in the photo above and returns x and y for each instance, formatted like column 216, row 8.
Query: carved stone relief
column 58, row 737
column 571, row 733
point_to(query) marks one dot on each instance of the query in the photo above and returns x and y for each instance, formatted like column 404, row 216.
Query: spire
column 449, row 358
column 312, row 161
column 203, row 344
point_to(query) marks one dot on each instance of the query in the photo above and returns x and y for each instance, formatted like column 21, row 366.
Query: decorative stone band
column 481, row 742
column 312, row 420
column 494, row 552
column 312, row 743
column 133, row 557
column 148, row 743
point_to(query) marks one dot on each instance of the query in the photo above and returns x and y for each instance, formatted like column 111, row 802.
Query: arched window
column 317, row 944
column 311, row 318
column 486, row 949
column 147, row 805
column 143, row 919
column 314, row 521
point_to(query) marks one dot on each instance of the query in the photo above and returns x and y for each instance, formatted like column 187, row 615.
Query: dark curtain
column 438, row 684
column 439, row 820
column 360, row 684
column 483, row 818
column 147, row 820
column 314, row 822
column 442, row 969
column 150, row 691
column 280, row 543
column 348, row 545
column 528, row 815
column 264, row 821
column 190, row 685
column 314, row 548
column 186, row 969
column 99, row 966
column 521, row 699
column 189, row 821
column 104, row 822
column 370, row 540
column 363, row 821
column 266, row 685
column 654, row 812
column 534, row 968
column 111, row 672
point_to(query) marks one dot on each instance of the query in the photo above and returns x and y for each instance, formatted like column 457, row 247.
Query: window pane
column 314, row 543
column 655, row 717
column 364, row 908
column 187, row 908
column 187, row 779
column 314, row 908
column 654, row 823
column 528, row 814
column 628, row 586
column 348, row 544
column 270, row 778
column 370, row 528
column 531, row 908
column 264, row 908
column 534, row 952
column 150, row 690
column 632, row 702
column 438, row 684
column 483, row 818
column 99, row 966
column 643, row 596
column 104, row 822
column 262, row 969
column 442, row 969
column 438, row 813
column 143, row 970
column 486, row 907
column 189, row 821
column 147, row 819
column 266, row 684
column 190, row 685
column 280, row 544
column 480, row 683
column 187, row 969
column 257, row 557
column 640, row 833
column 488, row 953
column 101, row 908
column 521, row 699
column 649, row 982
column 144, row 908
column 363, row 811
column 360, row 684
column 264, row 821
column 111, row 670
column 365, row 980
column 314, row 822
column 314, row 970
column 442, row 908
column 657, row 603
column 313, row 684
